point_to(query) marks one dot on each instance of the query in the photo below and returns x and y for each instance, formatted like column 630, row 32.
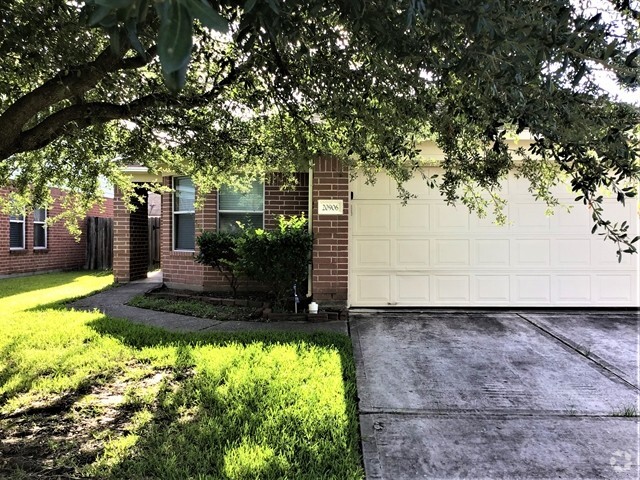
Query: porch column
column 130, row 239
column 330, row 265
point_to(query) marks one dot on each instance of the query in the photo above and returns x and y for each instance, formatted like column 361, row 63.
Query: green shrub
column 218, row 250
column 278, row 258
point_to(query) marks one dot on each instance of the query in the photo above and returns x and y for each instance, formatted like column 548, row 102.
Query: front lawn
column 82, row 394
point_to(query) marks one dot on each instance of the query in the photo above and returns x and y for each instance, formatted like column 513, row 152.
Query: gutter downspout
column 310, row 200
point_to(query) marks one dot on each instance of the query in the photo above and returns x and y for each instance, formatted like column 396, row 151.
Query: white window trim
column 242, row 211
column 173, row 216
column 24, row 232
column 44, row 224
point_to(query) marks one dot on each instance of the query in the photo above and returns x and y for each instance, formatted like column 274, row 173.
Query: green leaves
column 175, row 32
column 203, row 11
column 174, row 42
column 175, row 35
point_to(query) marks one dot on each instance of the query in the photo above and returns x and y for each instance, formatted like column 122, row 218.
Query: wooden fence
column 99, row 243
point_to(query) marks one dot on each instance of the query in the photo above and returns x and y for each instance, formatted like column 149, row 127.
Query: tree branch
column 83, row 115
column 68, row 83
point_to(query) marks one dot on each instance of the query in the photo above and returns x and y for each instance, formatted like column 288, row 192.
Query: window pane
column 16, row 236
column 251, row 201
column 17, row 217
column 39, row 215
column 228, row 221
column 39, row 235
column 184, row 231
column 184, row 195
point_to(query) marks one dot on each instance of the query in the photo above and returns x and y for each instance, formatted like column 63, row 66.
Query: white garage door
column 426, row 253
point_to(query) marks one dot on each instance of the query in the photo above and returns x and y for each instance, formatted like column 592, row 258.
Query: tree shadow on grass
column 219, row 424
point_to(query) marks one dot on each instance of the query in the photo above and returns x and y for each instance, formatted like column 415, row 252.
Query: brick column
column 130, row 239
column 330, row 269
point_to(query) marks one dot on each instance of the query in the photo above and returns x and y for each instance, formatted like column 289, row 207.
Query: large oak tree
column 222, row 90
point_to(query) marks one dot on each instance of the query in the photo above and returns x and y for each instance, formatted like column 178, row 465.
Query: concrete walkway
column 513, row 395
column 113, row 301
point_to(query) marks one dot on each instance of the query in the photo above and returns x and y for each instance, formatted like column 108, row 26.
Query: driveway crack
column 589, row 356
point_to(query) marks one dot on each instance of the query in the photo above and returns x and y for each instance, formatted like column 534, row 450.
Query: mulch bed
column 255, row 300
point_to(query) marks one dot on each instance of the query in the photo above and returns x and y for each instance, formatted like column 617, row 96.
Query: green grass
column 626, row 411
column 82, row 394
column 194, row 308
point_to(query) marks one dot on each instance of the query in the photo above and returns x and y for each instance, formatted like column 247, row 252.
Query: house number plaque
column 330, row 207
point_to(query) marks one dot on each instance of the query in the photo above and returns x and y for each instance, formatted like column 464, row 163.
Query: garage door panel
column 412, row 289
column 450, row 252
column 487, row 225
column 492, row 289
column 373, row 289
column 492, row 253
column 571, row 252
column 572, row 289
column 445, row 219
column 615, row 289
column 531, row 252
column 412, row 218
column 372, row 218
column 532, row 290
column 528, row 218
column 381, row 189
column 563, row 192
column 618, row 213
column 451, row 288
column 418, row 186
column 518, row 186
column 575, row 221
column 412, row 253
column 604, row 255
column 372, row 253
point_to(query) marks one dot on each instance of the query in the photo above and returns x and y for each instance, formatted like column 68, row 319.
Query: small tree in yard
column 278, row 258
column 218, row 250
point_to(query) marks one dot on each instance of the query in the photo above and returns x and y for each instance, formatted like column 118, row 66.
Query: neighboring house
column 28, row 245
column 370, row 250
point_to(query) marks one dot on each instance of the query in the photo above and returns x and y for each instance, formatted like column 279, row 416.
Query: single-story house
column 371, row 250
column 28, row 245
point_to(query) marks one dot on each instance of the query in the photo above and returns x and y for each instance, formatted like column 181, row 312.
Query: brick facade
column 63, row 252
column 330, row 253
column 331, row 233
column 179, row 270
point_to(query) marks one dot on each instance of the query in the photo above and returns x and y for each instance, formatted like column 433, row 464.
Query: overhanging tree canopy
column 221, row 90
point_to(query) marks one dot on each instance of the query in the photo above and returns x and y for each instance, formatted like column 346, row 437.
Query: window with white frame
column 235, row 206
column 40, row 228
column 184, row 214
column 16, row 232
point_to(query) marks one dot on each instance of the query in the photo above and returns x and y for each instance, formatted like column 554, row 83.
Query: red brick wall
column 139, row 232
column 121, row 240
column 285, row 202
column 130, row 239
column 179, row 269
column 331, row 233
column 62, row 252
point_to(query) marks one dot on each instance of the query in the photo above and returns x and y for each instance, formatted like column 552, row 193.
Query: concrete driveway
column 509, row 395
